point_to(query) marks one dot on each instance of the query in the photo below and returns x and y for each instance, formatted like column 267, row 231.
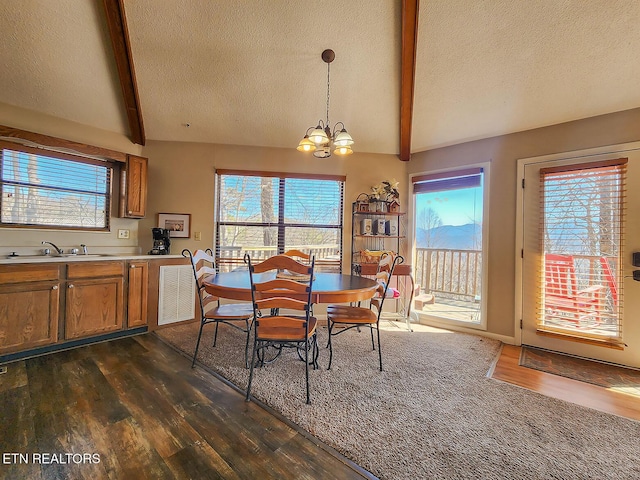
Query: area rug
column 432, row 413
column 597, row 373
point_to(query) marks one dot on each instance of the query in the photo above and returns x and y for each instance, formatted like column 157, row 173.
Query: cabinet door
column 134, row 188
column 93, row 306
column 28, row 315
column 137, row 294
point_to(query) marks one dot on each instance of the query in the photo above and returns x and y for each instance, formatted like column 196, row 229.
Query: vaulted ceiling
column 250, row 73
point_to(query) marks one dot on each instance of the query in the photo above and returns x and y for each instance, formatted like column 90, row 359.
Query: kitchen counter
column 6, row 260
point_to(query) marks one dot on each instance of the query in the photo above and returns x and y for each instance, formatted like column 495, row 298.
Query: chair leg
column 316, row 351
column 373, row 345
column 329, row 344
column 195, row 353
column 306, row 367
column 246, row 345
column 379, row 348
column 215, row 336
column 253, row 361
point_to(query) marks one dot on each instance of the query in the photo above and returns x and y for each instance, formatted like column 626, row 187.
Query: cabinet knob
column 71, row 286
column 130, row 212
column 132, row 266
column 55, row 287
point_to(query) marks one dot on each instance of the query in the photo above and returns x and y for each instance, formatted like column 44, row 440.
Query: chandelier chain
column 328, row 91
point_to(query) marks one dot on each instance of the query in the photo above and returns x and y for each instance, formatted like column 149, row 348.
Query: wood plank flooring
column 607, row 400
column 139, row 407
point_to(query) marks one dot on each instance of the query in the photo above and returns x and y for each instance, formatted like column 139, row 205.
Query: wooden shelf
column 378, row 236
column 397, row 214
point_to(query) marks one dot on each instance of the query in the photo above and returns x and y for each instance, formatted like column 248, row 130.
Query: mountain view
column 455, row 237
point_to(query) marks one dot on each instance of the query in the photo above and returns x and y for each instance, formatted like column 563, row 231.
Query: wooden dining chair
column 236, row 315
column 294, row 253
column 289, row 289
column 355, row 316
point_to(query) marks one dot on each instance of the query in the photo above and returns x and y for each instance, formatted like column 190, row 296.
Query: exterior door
column 575, row 258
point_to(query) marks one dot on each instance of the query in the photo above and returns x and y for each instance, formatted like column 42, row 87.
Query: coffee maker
column 161, row 242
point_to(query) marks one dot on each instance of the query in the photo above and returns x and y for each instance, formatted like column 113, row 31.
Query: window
column 582, row 209
column 448, row 218
column 53, row 190
column 266, row 213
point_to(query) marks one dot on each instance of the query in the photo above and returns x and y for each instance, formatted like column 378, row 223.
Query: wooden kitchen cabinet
column 133, row 187
column 94, row 298
column 29, row 307
column 137, row 293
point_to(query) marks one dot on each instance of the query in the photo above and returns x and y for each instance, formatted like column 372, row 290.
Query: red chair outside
column 563, row 299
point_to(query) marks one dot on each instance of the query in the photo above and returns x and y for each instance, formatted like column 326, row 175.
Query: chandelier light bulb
column 346, row 150
column 306, row 145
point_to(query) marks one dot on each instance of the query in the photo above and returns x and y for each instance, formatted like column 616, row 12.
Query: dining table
column 326, row 287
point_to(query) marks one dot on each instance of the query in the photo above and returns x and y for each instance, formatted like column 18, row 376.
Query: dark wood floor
column 137, row 405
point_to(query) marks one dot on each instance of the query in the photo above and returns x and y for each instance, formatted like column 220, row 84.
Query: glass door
column 449, row 213
column 573, row 256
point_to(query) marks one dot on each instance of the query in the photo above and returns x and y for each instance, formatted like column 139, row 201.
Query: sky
column 454, row 207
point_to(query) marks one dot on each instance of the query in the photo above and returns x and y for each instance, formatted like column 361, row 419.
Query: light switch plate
column 123, row 233
column 197, row 236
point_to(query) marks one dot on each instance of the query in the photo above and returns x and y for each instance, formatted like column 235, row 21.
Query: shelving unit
column 387, row 233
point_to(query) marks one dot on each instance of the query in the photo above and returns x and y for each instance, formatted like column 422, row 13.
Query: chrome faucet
column 84, row 249
column 59, row 250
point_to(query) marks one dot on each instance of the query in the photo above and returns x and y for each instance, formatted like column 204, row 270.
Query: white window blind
column 53, row 190
column 266, row 213
column 582, row 209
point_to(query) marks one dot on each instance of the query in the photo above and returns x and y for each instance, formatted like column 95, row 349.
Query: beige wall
column 27, row 240
column 503, row 153
column 181, row 179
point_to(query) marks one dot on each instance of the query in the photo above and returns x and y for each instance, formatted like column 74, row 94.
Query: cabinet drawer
column 95, row 269
column 28, row 273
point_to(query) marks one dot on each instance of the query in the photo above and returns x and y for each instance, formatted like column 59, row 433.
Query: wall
column 29, row 240
column 181, row 180
column 503, row 153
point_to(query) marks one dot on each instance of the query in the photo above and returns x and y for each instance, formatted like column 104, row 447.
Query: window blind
column 53, row 190
column 440, row 182
column 582, row 209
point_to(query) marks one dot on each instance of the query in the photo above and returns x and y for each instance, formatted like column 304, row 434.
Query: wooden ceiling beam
column 119, row 33
column 408, row 74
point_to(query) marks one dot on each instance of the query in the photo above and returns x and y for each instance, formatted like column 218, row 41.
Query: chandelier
column 321, row 139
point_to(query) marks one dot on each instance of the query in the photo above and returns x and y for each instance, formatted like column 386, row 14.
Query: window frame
column 281, row 225
column 451, row 179
column 47, row 153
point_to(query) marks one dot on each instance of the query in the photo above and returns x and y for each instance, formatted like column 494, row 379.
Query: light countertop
column 6, row 260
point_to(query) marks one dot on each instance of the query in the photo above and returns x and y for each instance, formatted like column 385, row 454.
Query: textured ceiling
column 250, row 72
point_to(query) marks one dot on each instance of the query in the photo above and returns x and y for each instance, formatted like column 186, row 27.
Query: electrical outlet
column 3, row 370
column 123, row 233
column 197, row 236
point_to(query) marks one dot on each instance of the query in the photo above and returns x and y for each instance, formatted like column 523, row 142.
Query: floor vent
column 177, row 294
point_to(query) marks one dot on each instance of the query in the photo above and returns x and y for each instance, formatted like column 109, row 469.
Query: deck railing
column 446, row 271
column 327, row 255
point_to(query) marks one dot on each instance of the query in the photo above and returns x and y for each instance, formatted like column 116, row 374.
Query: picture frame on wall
column 178, row 224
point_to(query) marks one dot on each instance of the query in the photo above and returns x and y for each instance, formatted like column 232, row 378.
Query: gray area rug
column 432, row 413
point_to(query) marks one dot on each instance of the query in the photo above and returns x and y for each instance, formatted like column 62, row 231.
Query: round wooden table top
column 327, row 287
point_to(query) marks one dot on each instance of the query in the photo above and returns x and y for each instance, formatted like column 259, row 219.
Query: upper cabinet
column 133, row 188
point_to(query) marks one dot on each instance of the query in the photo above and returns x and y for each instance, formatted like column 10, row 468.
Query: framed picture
column 178, row 224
